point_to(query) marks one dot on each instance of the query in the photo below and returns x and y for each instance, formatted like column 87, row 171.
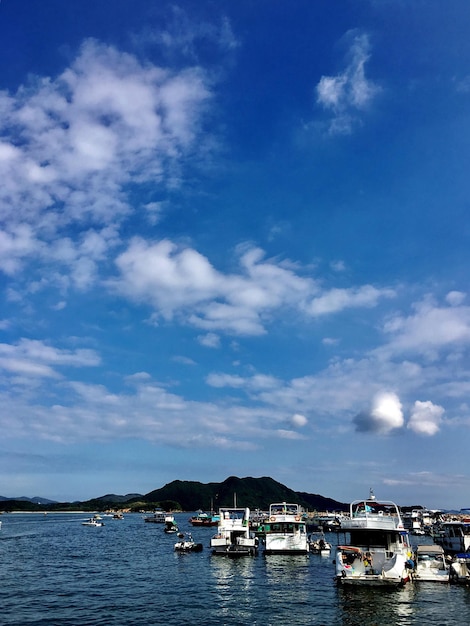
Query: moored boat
column 204, row 519
column 170, row 524
column 157, row 518
column 286, row 530
column 430, row 564
column 460, row 568
column 187, row 544
column 318, row 544
column 454, row 537
column 378, row 552
column 233, row 538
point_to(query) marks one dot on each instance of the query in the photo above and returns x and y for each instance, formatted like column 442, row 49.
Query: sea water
column 54, row 571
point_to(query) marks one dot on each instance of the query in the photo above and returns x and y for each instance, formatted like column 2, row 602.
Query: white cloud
column 428, row 331
column 210, row 340
column 288, row 434
column 425, row 418
column 339, row 299
column 349, row 92
column 258, row 382
column 35, row 358
column 106, row 122
column 299, row 420
column 181, row 281
column 384, row 416
column 455, row 298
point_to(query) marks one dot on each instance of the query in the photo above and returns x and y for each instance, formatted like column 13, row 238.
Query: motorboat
column 170, row 524
column 286, row 530
column 205, row 519
column 430, row 564
column 454, row 537
column 318, row 544
column 234, row 538
column 93, row 521
column 187, row 544
column 157, row 518
column 460, row 568
column 378, row 551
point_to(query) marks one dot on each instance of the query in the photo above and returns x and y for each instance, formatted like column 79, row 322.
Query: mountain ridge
column 193, row 495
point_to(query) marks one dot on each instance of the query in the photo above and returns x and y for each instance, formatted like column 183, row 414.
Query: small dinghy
column 187, row 545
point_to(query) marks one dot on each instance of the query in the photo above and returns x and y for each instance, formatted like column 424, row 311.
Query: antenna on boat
column 371, row 494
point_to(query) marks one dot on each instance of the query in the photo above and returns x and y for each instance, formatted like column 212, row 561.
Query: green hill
column 251, row 492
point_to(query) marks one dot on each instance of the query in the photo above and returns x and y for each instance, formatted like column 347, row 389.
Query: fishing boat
column 430, row 564
column 204, row 519
column 460, row 568
column 234, row 538
column 187, row 544
column 454, row 537
column 378, row 552
column 286, row 530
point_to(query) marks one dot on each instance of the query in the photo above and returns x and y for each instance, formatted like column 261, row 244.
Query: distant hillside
column 35, row 500
column 111, row 497
column 251, row 492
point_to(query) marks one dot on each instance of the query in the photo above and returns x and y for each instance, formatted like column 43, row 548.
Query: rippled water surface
column 56, row 571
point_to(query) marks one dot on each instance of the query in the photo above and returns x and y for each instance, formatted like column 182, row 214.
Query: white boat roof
column 432, row 549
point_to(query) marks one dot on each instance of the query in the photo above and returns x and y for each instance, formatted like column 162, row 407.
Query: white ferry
column 378, row 552
column 286, row 530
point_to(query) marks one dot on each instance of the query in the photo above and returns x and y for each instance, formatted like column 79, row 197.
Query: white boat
column 170, row 524
column 430, row 564
column 460, row 568
column 234, row 537
column 454, row 537
column 93, row 522
column 378, row 552
column 286, row 530
column 157, row 518
column 318, row 544
column 188, row 544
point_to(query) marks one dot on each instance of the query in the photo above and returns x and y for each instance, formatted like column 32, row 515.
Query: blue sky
column 234, row 241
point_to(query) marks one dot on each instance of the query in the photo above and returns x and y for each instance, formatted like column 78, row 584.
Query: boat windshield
column 371, row 507
column 284, row 509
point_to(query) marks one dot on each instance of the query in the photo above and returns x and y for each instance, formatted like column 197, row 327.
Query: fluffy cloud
column 104, row 123
column 298, row 420
column 425, row 418
column 350, row 91
column 384, row 416
column 37, row 359
column 339, row 299
column 429, row 330
column 181, row 281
